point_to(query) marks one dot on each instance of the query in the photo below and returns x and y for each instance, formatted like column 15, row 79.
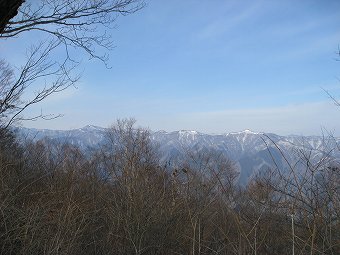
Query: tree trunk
column 8, row 10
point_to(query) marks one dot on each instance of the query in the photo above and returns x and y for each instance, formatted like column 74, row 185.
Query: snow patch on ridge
column 246, row 131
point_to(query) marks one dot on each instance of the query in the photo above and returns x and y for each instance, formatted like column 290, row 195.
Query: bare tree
column 73, row 25
column 308, row 192
column 39, row 68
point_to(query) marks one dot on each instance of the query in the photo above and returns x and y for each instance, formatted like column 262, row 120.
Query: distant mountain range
column 252, row 152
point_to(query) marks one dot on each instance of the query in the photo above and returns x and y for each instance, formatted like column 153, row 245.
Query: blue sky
column 213, row 66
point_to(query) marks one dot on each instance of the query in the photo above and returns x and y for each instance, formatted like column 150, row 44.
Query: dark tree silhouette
column 8, row 10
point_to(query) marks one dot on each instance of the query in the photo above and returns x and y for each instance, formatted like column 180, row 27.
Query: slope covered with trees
column 122, row 200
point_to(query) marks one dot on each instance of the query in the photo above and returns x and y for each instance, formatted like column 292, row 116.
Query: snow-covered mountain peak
column 92, row 128
column 246, row 131
column 188, row 132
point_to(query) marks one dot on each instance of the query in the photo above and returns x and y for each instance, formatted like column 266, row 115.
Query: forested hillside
column 251, row 152
column 122, row 200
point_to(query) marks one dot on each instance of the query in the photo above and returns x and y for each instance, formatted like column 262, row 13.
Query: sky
column 214, row 66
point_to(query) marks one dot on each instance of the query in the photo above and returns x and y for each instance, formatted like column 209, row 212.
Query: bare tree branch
column 74, row 23
column 39, row 69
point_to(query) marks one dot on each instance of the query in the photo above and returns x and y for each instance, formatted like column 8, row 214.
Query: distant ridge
column 246, row 148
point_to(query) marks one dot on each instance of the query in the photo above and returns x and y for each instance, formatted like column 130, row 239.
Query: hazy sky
column 214, row 66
